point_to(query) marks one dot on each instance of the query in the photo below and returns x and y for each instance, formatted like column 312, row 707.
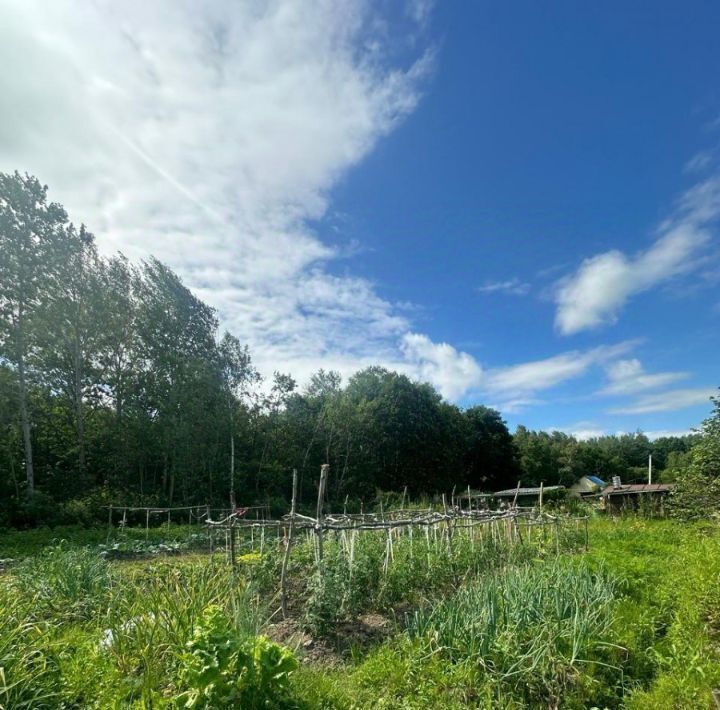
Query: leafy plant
column 221, row 668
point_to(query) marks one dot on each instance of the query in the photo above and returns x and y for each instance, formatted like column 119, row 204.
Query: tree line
column 116, row 386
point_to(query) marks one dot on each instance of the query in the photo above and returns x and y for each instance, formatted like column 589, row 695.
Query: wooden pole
column 516, row 495
column 324, row 471
column 541, row 496
column 233, row 561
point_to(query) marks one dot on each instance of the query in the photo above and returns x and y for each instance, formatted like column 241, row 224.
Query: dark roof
column 638, row 488
column 510, row 492
column 596, row 480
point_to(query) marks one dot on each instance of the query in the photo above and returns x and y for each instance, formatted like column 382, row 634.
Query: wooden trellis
column 508, row 524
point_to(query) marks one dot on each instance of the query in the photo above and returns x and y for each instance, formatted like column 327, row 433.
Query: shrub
column 222, row 668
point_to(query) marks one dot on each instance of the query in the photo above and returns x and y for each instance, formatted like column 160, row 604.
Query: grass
column 634, row 623
column 19, row 544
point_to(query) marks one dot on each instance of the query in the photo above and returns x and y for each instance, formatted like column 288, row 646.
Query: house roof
column 638, row 488
column 596, row 480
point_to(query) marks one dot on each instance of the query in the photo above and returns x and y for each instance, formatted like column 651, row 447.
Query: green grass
column 19, row 544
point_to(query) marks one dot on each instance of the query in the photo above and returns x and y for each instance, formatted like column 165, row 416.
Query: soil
column 361, row 634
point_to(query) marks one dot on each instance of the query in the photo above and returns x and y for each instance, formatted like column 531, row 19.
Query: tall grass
column 533, row 628
column 64, row 582
column 29, row 672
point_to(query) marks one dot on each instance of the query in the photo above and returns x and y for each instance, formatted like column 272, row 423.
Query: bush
column 696, row 496
column 223, row 669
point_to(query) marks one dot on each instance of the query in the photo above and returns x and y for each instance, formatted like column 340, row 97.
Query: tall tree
column 30, row 229
column 71, row 329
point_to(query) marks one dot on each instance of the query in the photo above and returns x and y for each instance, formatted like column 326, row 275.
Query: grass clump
column 29, row 671
column 531, row 630
column 64, row 582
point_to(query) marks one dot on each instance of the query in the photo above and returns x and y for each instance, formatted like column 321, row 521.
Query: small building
column 620, row 497
column 529, row 496
column 587, row 487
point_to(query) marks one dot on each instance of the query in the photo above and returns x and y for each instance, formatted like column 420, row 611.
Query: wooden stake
column 324, row 471
column 516, row 495
column 286, row 557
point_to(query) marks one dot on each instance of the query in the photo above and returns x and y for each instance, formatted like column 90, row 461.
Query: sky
column 516, row 202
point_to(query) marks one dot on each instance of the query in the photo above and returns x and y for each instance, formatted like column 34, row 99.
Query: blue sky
column 517, row 202
column 550, row 133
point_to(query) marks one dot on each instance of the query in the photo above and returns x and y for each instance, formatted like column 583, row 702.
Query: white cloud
column 584, row 431
column 520, row 380
column 452, row 372
column 595, row 293
column 514, row 287
column 668, row 401
column 629, row 377
column 209, row 135
column 518, row 405
column 699, row 162
column 420, row 10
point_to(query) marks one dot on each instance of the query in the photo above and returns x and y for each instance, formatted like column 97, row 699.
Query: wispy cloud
column 597, row 291
column 668, row 401
column 629, row 376
column 517, row 406
column 699, row 162
column 518, row 381
column 514, row 287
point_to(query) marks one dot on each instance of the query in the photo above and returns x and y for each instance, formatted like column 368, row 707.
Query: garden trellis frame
column 509, row 524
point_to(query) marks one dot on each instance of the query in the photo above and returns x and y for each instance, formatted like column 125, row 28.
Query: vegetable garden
column 401, row 609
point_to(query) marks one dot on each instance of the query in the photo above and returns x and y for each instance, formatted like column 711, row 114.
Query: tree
column 70, row 330
column 30, row 228
column 238, row 375
column 176, row 342
column 491, row 459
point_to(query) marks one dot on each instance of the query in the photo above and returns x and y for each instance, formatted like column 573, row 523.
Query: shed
column 587, row 486
column 529, row 495
column 620, row 497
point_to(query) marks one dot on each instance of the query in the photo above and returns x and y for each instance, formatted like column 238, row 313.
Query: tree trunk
column 232, row 471
column 25, row 416
column 79, row 412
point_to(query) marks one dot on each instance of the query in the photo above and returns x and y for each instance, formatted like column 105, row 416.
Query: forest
column 116, row 386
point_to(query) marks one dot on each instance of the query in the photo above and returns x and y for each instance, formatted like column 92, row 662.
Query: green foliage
column 222, row 669
column 697, row 488
column 29, row 672
column 374, row 573
column 634, row 624
column 541, row 630
column 64, row 582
